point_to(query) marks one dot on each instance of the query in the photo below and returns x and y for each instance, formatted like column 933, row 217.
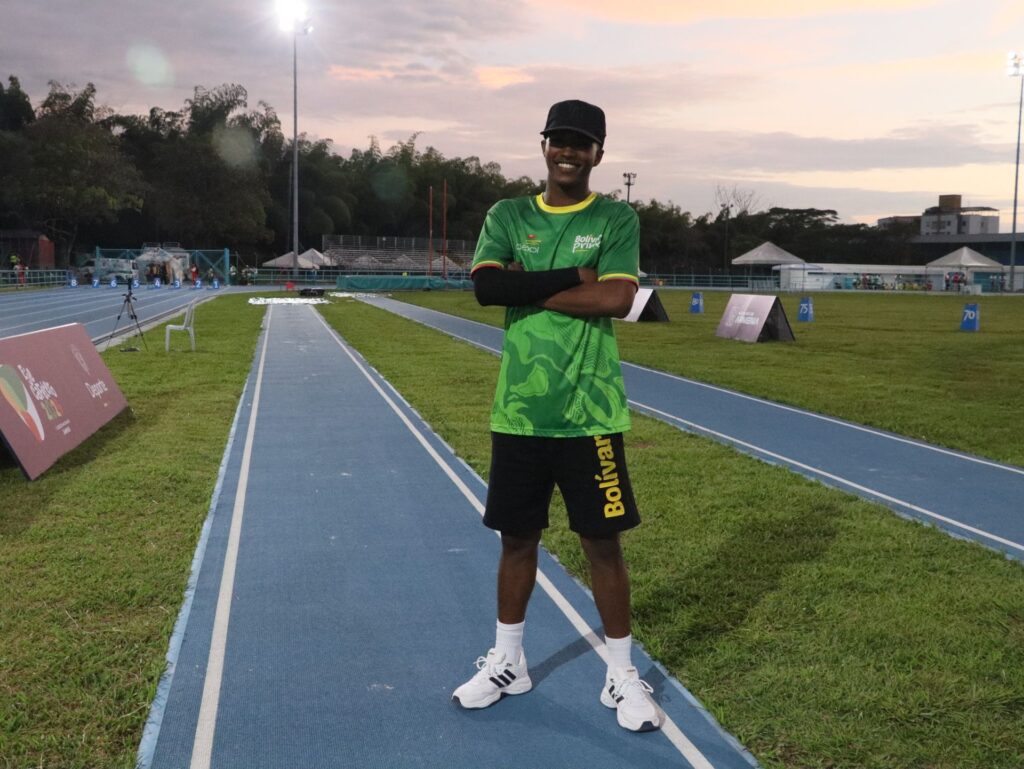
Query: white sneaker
column 495, row 676
column 625, row 691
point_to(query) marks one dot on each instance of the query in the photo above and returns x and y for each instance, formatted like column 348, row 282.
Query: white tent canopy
column 315, row 257
column 965, row 258
column 287, row 261
column 767, row 253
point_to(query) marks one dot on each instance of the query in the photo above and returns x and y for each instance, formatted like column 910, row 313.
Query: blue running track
column 344, row 585
column 968, row 496
column 22, row 312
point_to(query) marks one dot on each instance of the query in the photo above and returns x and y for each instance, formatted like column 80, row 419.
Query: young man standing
column 564, row 263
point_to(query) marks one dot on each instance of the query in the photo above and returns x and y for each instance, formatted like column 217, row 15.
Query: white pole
column 295, row 153
column 1016, row 176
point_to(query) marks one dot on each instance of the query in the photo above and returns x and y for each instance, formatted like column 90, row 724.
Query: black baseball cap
column 578, row 116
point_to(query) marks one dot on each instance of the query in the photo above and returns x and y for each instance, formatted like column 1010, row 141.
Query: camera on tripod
column 129, row 306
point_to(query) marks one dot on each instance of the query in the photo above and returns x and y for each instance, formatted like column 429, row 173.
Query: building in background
column 892, row 222
column 951, row 217
column 34, row 249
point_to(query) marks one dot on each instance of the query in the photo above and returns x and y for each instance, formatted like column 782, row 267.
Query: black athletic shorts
column 589, row 471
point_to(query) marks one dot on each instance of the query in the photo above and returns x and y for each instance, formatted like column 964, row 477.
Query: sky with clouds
column 868, row 107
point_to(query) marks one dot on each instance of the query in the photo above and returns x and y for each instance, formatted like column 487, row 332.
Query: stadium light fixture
column 629, row 178
column 293, row 16
column 1015, row 68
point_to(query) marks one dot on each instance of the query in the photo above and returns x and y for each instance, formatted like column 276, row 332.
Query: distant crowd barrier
column 33, row 278
column 399, row 283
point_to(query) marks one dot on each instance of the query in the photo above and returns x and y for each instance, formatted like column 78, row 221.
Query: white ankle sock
column 508, row 640
column 620, row 652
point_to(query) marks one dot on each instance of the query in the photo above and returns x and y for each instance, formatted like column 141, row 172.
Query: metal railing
column 710, row 282
column 15, row 279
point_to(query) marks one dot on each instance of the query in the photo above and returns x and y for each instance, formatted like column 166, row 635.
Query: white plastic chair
column 186, row 325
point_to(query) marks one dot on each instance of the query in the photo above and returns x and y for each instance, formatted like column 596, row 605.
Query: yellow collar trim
column 565, row 209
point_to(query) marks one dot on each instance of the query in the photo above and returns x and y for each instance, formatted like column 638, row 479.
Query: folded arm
column 514, row 287
column 593, row 298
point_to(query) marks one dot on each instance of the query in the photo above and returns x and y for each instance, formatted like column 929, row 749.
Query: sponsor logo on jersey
column 531, row 246
column 586, row 243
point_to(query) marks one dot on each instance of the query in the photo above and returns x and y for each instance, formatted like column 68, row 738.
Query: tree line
column 216, row 173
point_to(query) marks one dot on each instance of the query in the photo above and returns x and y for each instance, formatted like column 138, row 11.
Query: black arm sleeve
column 513, row 288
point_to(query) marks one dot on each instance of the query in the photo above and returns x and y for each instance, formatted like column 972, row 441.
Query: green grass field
column 895, row 361
column 823, row 631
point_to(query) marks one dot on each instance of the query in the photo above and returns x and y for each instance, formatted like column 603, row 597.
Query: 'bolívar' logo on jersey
column 586, row 243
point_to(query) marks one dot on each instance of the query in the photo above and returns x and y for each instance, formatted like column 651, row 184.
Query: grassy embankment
column 95, row 554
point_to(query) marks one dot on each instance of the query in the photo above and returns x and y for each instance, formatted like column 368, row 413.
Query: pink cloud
column 500, row 77
column 675, row 12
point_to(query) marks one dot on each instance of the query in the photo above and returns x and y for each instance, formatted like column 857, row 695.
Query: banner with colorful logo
column 55, row 392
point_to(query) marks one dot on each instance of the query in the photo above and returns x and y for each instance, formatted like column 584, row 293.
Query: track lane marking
column 734, row 393
column 669, row 728
column 825, row 474
column 787, row 461
column 202, row 747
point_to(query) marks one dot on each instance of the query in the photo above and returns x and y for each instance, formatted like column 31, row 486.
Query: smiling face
column 570, row 157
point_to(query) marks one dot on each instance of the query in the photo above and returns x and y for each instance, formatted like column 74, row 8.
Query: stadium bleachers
column 359, row 254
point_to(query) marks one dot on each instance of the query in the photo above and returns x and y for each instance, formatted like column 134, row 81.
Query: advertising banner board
column 55, row 391
column 646, row 307
column 971, row 320
column 755, row 318
column 697, row 303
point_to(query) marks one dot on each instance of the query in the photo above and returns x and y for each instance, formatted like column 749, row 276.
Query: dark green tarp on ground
column 398, row 283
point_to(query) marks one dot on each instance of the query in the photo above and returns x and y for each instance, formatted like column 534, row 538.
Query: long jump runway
column 344, row 585
column 968, row 496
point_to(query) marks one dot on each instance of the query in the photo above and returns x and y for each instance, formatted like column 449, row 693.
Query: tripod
column 129, row 305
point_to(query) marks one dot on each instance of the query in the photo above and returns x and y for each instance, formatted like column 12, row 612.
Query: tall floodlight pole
column 629, row 178
column 294, row 18
column 1015, row 68
column 726, row 210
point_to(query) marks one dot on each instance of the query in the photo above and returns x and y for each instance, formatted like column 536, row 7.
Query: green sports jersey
column 560, row 376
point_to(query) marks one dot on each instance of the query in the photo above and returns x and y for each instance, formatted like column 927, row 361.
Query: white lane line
column 834, row 420
column 723, row 437
column 819, row 472
column 202, row 747
column 674, row 734
column 482, row 345
column 744, row 396
column 151, row 731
